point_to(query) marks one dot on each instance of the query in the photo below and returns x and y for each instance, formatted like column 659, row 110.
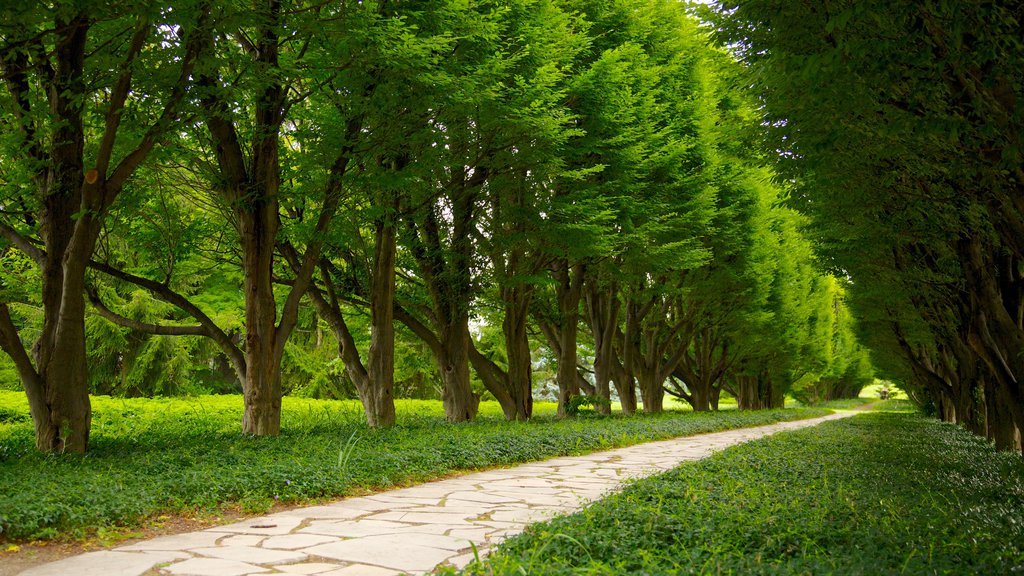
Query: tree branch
column 233, row 352
column 198, row 41
column 37, row 254
column 118, row 96
column 157, row 329
column 10, row 341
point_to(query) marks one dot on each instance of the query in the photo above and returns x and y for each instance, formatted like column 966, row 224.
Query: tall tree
column 900, row 123
column 500, row 119
column 91, row 89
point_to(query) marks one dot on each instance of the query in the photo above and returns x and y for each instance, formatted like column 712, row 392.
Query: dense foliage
column 375, row 199
column 879, row 493
column 151, row 457
column 898, row 126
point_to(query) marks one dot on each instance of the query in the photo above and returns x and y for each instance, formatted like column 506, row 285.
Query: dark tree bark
column 517, row 346
column 603, row 311
column 379, row 396
column 568, row 294
column 757, row 392
column 626, row 388
column 654, row 346
column 704, row 368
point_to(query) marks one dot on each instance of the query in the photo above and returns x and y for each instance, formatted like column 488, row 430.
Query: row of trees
column 223, row 173
column 900, row 124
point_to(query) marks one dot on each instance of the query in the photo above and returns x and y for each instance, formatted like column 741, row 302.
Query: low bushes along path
column 407, row 531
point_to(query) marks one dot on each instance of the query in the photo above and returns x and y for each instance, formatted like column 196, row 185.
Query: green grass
column 878, row 493
column 896, row 405
column 151, row 457
column 846, row 403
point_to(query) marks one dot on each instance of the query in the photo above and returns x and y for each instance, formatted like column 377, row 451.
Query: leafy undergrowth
column 151, row 457
column 896, row 405
column 879, row 493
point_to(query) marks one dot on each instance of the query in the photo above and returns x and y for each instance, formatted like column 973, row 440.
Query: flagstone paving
column 407, row 531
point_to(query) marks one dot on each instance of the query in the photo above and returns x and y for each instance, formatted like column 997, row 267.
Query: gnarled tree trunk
column 517, row 345
column 378, row 396
column 460, row 402
column 569, row 293
column 603, row 311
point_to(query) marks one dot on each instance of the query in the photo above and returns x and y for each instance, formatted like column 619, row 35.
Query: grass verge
column 878, row 493
column 846, row 403
column 187, row 456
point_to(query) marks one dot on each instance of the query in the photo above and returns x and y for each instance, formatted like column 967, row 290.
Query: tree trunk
column 603, row 310
column 261, row 388
column 57, row 385
column 495, row 380
column 519, row 379
column 460, row 402
column 747, row 396
column 1001, row 427
column 569, row 293
column 379, row 397
column 626, row 389
column 652, row 392
column 701, row 393
column 65, row 372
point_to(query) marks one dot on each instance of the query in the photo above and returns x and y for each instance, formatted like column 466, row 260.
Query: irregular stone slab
column 267, row 526
column 426, row 517
column 366, row 505
column 429, row 497
column 363, row 570
column 175, row 542
column 426, row 539
column 251, row 555
column 520, row 516
column 306, row 568
column 240, row 540
column 327, row 512
column 479, row 495
column 353, row 529
column 105, row 563
column 463, row 560
column 476, row 534
column 296, row 541
column 213, row 567
column 384, row 551
column 521, row 483
column 450, row 506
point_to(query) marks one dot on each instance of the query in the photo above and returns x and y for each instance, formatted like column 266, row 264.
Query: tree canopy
column 897, row 126
column 432, row 198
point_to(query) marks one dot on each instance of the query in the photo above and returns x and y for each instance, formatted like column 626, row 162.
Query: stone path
column 407, row 531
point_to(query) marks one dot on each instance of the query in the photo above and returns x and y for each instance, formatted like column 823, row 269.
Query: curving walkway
column 407, row 531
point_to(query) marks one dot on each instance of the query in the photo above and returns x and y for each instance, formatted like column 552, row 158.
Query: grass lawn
column 187, row 456
column 883, row 492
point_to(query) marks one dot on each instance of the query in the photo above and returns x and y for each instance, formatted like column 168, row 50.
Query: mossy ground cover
column 878, row 493
column 151, row 457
